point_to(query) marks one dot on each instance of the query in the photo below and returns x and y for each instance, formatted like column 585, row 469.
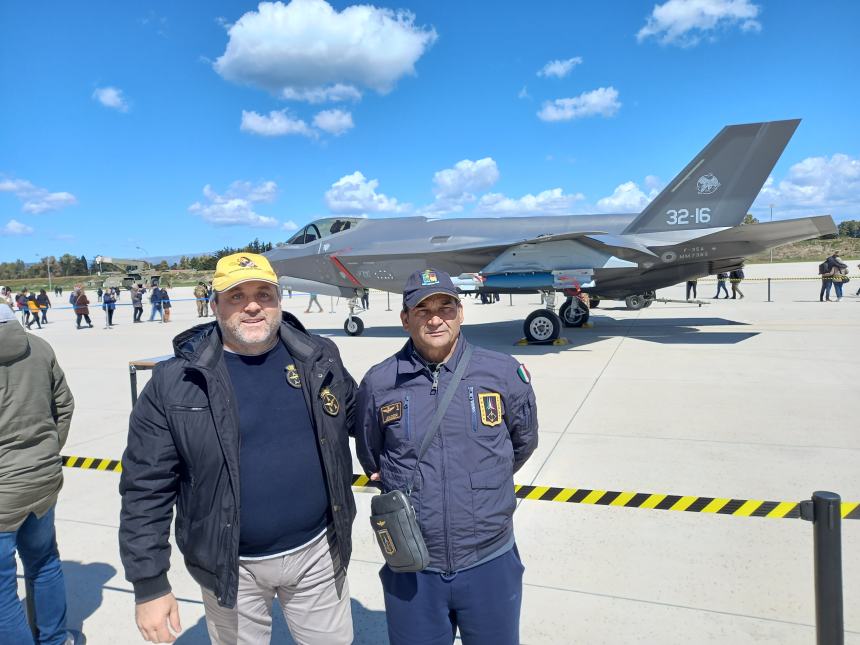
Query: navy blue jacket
column 183, row 451
column 464, row 490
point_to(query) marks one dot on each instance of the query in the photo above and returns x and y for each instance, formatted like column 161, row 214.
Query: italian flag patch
column 523, row 373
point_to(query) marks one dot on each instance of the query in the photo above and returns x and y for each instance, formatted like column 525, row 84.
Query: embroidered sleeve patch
column 391, row 412
column 523, row 373
column 490, row 404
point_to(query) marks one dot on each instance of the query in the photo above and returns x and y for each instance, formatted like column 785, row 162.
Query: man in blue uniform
column 463, row 493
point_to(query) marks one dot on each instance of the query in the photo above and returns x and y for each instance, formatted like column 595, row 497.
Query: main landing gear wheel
column 593, row 302
column 353, row 326
column 573, row 313
column 542, row 326
column 635, row 302
column 649, row 297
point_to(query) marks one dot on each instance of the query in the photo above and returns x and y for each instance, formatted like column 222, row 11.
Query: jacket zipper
column 406, row 414
column 473, row 408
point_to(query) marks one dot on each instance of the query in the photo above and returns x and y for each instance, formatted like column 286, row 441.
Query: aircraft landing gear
column 593, row 302
column 574, row 313
column 353, row 325
column 635, row 302
column 543, row 325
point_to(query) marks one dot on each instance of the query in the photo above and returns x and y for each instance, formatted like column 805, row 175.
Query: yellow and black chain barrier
column 627, row 499
column 713, row 280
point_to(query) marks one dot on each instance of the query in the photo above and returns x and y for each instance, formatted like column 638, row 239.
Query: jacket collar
column 409, row 361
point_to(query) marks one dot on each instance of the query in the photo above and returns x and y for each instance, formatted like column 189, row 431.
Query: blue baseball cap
column 423, row 284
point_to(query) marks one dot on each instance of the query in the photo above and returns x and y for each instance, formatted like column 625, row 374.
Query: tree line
column 70, row 265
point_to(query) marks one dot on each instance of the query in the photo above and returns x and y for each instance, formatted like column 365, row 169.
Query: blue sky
column 183, row 127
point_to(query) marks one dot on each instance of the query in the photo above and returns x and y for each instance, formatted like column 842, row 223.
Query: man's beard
column 252, row 338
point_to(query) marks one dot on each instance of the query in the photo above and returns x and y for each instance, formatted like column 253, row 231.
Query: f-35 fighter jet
column 692, row 229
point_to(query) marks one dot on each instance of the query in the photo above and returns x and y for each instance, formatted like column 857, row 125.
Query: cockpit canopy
column 321, row 228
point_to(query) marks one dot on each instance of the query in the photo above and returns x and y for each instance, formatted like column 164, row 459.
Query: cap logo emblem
column 429, row 278
column 246, row 263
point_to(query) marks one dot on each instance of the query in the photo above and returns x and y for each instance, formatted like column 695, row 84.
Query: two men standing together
column 245, row 431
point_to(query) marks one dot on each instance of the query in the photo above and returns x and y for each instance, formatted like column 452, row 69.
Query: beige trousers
column 312, row 591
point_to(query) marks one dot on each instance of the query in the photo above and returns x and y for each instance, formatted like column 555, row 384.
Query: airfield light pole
column 48, row 264
column 771, row 221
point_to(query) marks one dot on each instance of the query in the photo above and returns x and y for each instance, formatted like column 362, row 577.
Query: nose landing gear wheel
column 573, row 313
column 542, row 326
column 353, row 326
column 635, row 302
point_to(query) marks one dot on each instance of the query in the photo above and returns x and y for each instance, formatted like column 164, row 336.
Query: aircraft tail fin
column 719, row 185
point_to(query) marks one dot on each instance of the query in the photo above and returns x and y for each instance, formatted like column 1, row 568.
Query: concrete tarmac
column 738, row 398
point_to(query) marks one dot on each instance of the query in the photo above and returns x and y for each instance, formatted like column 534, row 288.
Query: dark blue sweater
column 283, row 495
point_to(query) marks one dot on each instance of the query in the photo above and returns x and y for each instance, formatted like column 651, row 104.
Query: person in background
column 691, row 288
column 99, row 294
column 313, row 300
column 721, row 284
column 44, row 303
column 33, row 307
column 109, row 305
column 23, row 308
column 201, row 297
column 82, row 309
column 165, row 303
column 838, row 271
column 137, row 292
column 155, row 301
column 34, row 424
column 735, row 277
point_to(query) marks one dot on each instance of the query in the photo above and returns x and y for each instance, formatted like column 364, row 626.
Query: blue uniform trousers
column 427, row 608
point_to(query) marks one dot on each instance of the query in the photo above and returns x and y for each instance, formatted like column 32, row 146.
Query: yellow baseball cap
column 242, row 267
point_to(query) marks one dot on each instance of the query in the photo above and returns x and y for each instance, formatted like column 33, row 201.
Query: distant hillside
column 812, row 250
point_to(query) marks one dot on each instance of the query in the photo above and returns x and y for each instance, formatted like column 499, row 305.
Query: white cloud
column 455, row 187
column 559, row 68
column 277, row 124
column 334, row 122
column 290, row 225
column 111, row 97
column 14, row 227
column 36, row 200
column 523, row 93
column 816, row 185
column 336, row 93
column 600, row 102
column 629, row 198
column 307, row 50
column 236, row 206
column 356, row 194
column 686, row 22
column 549, row 202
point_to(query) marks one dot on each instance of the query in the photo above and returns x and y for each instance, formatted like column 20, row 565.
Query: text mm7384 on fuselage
column 690, row 230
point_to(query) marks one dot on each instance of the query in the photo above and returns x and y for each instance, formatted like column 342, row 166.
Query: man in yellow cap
column 245, row 431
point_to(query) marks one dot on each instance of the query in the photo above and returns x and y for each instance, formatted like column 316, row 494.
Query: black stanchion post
column 132, row 373
column 768, row 289
column 825, row 510
column 510, row 300
column 388, row 295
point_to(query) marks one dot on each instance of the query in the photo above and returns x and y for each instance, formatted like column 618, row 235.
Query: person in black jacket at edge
column 252, row 410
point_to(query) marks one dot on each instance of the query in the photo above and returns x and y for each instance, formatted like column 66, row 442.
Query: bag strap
column 440, row 412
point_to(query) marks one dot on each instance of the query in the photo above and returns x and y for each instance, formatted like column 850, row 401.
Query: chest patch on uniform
column 490, row 404
column 293, row 377
column 330, row 403
column 391, row 412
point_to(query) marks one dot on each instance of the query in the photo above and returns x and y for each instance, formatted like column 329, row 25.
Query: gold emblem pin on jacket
column 330, row 403
column 293, row 377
